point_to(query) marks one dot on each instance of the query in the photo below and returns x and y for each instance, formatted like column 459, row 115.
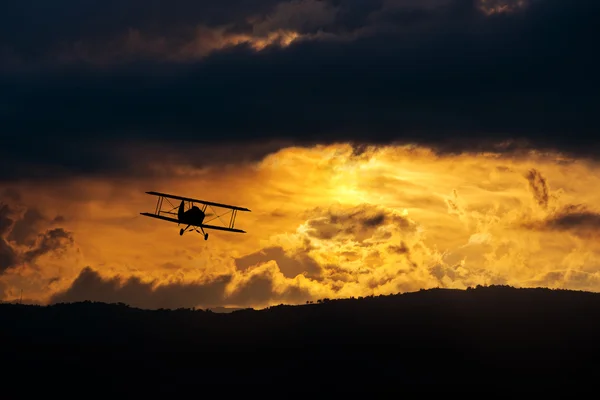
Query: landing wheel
column 206, row 236
column 181, row 232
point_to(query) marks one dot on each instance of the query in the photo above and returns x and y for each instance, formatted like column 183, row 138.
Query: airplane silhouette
column 192, row 217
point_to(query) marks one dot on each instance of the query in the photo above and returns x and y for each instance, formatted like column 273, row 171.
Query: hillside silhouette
column 495, row 335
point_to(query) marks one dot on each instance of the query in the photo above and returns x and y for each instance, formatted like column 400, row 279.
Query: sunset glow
column 383, row 147
column 325, row 222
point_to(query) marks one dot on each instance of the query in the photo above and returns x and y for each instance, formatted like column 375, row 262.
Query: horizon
column 230, row 309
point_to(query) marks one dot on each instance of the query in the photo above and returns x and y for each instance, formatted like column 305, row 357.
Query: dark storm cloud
column 8, row 256
column 53, row 240
column 89, row 285
column 439, row 73
column 6, row 222
column 25, row 229
column 37, row 30
column 538, row 187
column 575, row 219
column 358, row 222
column 24, row 240
column 34, row 30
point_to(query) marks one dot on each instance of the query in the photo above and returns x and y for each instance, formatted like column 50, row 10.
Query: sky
column 383, row 146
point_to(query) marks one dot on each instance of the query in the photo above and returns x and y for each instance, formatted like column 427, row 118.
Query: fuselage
column 193, row 216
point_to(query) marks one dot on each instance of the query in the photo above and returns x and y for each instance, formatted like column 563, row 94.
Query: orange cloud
column 200, row 43
column 490, row 7
column 326, row 221
column 283, row 26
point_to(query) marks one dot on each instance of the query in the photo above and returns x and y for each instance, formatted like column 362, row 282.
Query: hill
column 483, row 335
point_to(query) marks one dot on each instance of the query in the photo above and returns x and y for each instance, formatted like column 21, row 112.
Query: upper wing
column 208, row 203
column 219, row 228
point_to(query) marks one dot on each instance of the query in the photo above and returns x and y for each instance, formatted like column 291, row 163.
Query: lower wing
column 176, row 221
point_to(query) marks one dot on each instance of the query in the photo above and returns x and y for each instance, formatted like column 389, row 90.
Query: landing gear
column 182, row 231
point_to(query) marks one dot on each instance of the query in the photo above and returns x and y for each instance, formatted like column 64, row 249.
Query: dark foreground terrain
column 494, row 335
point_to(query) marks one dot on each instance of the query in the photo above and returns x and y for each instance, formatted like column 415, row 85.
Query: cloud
column 5, row 221
column 302, row 16
column 53, row 240
column 575, row 219
column 577, row 280
column 581, row 221
column 491, row 7
column 348, row 246
column 326, row 221
column 89, row 285
column 360, row 222
column 290, row 265
column 24, row 239
column 24, row 230
column 308, row 267
column 157, row 31
column 8, row 257
column 539, row 187
column 438, row 73
column 48, row 28
column 313, row 263
column 257, row 288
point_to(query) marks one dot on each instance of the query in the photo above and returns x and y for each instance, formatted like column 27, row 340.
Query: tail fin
column 181, row 210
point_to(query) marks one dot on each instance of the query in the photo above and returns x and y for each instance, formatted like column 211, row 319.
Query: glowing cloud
column 327, row 221
column 490, row 7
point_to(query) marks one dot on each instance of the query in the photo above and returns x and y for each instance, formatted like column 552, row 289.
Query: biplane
column 194, row 216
